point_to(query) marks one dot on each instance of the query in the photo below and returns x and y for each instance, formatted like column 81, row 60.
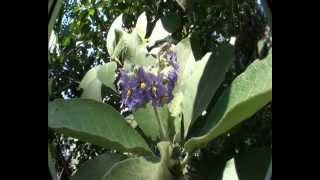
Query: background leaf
column 210, row 168
column 249, row 92
column 94, row 169
column 158, row 33
column 96, row 123
column 253, row 164
column 185, row 4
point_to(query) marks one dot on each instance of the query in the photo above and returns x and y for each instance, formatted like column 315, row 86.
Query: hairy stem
column 163, row 134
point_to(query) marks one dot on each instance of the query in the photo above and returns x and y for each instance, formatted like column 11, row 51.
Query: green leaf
column 249, row 92
column 50, row 81
column 67, row 41
column 52, row 162
column 53, row 12
column 132, row 49
column 158, row 33
column 129, row 46
column 106, row 74
column 141, row 25
column 95, row 122
column 138, row 169
column 91, row 85
column 253, row 164
column 136, row 51
column 185, row 4
column 166, row 151
column 175, row 108
column 112, row 36
column 91, row 12
column 142, row 168
column 95, row 169
column 230, row 172
column 210, row 168
column 147, row 121
column 171, row 22
column 197, row 92
column 267, row 12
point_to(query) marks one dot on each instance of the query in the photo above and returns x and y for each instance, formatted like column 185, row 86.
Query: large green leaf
column 253, row 164
column 142, row 168
column 249, row 92
column 106, row 74
column 204, row 79
column 147, row 120
column 138, row 169
column 199, row 79
column 96, row 123
column 91, row 85
column 95, row 169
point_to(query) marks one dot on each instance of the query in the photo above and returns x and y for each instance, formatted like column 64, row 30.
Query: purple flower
column 141, row 87
column 172, row 79
column 131, row 95
column 172, row 57
column 160, row 93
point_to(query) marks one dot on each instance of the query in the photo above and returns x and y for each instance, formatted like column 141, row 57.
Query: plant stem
column 163, row 133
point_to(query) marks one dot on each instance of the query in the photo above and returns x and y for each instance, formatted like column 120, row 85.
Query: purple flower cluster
column 141, row 87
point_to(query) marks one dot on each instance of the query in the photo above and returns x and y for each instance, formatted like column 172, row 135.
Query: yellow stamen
column 143, row 85
column 129, row 93
column 154, row 90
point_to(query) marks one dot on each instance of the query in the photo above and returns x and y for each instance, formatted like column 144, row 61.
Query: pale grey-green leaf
column 249, row 92
column 194, row 76
column 112, row 36
column 143, row 168
column 147, row 120
column 91, row 85
column 199, row 80
column 141, row 25
column 94, row 169
column 136, row 51
column 106, row 74
column 158, row 33
column 95, row 122
column 230, row 172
